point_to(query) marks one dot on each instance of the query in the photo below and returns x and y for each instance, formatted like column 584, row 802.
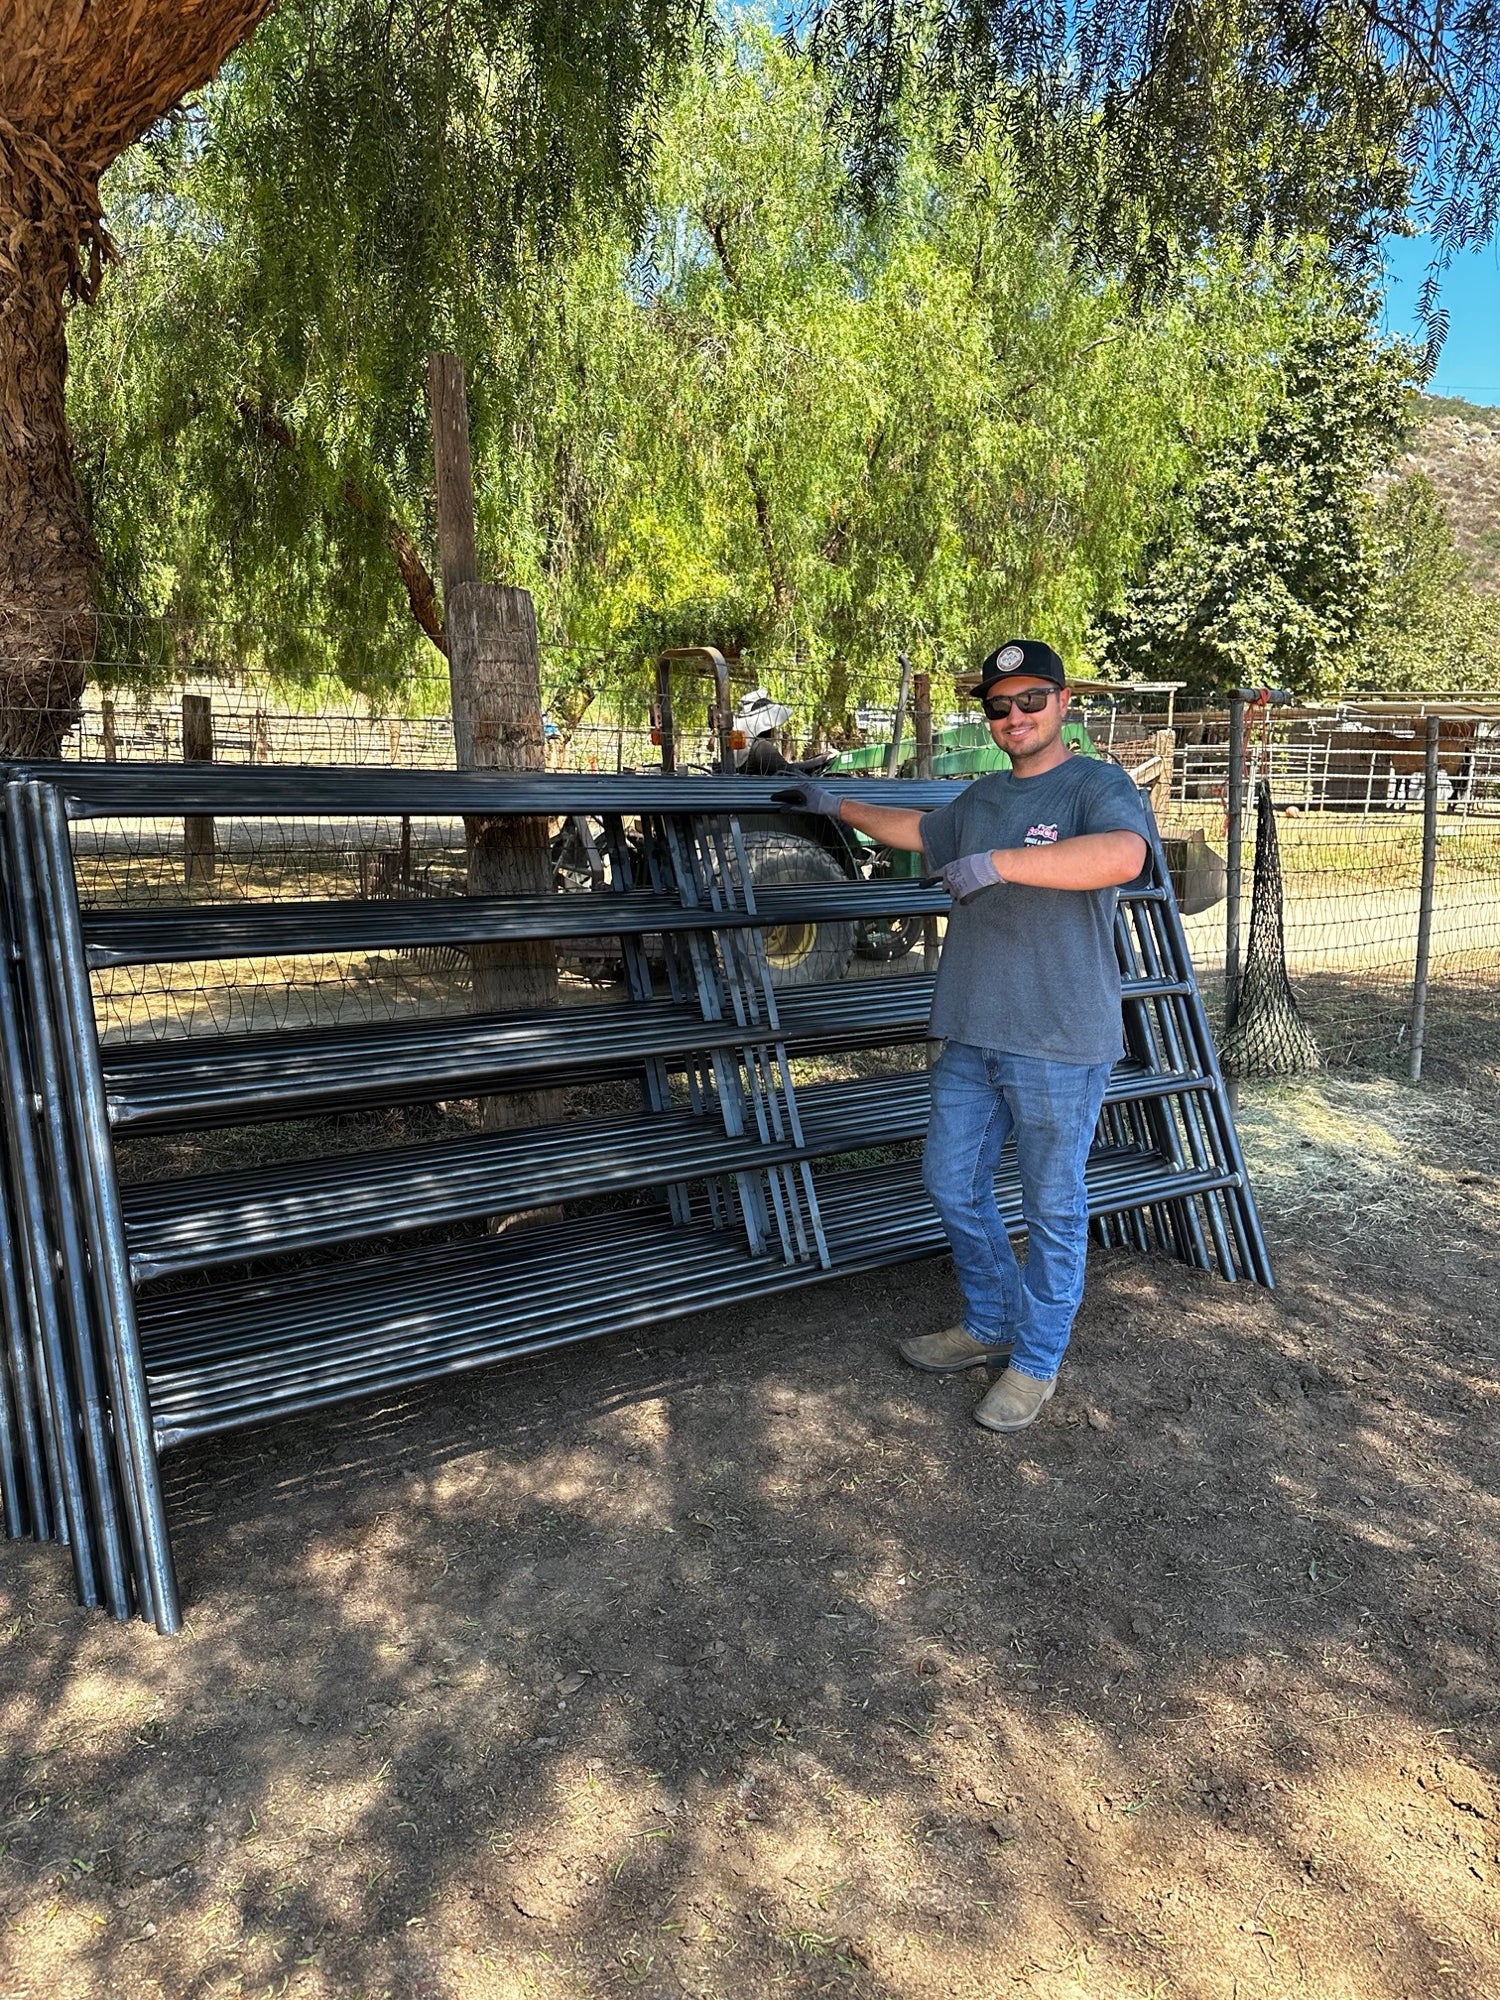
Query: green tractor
column 781, row 848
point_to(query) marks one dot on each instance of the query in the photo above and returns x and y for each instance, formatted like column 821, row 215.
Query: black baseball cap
column 1021, row 656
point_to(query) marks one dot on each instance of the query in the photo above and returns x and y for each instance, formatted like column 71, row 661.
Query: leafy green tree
column 763, row 416
column 1281, row 124
column 1431, row 629
column 406, row 145
column 918, row 431
column 1269, row 571
column 385, row 153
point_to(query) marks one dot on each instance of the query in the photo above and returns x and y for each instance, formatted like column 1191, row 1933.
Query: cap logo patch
column 1009, row 659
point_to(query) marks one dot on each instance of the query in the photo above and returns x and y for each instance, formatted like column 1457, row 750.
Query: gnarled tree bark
column 46, row 551
column 77, row 84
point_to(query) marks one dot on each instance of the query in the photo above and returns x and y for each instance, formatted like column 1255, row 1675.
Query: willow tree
column 757, row 413
column 1159, row 120
column 842, row 433
column 410, row 136
column 1165, row 122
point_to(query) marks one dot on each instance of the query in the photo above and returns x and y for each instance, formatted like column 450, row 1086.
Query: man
column 760, row 721
column 1028, row 1006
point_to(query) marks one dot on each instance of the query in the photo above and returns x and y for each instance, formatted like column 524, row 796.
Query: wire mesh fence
column 1350, row 837
column 1346, row 785
column 125, row 865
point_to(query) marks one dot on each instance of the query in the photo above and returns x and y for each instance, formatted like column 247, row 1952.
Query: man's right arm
column 892, row 826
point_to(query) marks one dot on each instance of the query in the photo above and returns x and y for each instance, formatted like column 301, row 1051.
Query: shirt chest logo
column 1042, row 835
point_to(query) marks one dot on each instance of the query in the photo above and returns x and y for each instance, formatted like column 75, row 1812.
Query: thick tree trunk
column 47, row 556
column 78, row 83
column 497, row 726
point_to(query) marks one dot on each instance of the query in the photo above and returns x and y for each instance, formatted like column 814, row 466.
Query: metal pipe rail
column 305, row 792
column 375, row 1329
column 166, row 934
column 210, row 1220
column 738, row 1182
column 174, row 1087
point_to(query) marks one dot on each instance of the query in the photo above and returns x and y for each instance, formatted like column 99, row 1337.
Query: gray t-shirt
column 1032, row 971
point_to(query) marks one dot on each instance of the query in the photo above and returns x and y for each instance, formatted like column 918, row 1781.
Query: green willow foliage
column 916, row 431
column 361, row 186
column 751, row 410
column 1168, row 127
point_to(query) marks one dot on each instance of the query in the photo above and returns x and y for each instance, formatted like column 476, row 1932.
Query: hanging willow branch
column 1154, row 123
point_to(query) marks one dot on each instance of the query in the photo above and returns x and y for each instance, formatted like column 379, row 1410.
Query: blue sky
column 1469, row 365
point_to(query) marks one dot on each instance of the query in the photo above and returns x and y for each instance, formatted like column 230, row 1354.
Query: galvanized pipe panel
column 751, row 1198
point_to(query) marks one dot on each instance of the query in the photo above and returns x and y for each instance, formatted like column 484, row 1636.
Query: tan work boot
column 946, row 1352
column 1015, row 1401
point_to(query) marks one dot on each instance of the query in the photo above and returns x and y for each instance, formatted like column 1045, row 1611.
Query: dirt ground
column 739, row 1662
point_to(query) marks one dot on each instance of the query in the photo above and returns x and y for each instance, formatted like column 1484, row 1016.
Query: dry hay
column 1370, row 1156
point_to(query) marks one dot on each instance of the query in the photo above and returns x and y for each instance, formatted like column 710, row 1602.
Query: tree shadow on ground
column 736, row 1660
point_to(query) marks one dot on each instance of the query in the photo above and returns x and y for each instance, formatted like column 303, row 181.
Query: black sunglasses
column 1030, row 701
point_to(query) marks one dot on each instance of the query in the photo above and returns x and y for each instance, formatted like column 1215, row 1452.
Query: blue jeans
column 979, row 1097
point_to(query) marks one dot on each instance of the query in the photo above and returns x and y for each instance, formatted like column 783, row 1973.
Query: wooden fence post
column 494, row 672
column 922, row 729
column 1425, row 898
column 199, row 846
column 1164, row 742
column 1235, row 856
column 107, row 725
column 893, row 754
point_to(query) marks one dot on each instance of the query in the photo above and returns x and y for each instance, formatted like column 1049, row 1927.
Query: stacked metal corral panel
column 138, row 1317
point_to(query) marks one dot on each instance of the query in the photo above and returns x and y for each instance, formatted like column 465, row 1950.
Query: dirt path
column 740, row 1663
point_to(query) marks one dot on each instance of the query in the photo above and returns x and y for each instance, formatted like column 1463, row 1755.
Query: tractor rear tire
column 800, row 954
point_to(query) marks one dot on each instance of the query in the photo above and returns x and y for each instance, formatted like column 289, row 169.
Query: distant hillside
column 1458, row 447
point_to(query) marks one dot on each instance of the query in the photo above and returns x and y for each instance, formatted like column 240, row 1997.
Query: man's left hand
column 969, row 874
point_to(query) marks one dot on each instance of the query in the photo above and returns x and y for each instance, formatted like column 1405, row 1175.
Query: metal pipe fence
column 728, row 1138
column 1378, row 909
column 1343, row 777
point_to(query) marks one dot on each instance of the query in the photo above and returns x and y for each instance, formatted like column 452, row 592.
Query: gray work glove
column 811, row 797
column 968, row 875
